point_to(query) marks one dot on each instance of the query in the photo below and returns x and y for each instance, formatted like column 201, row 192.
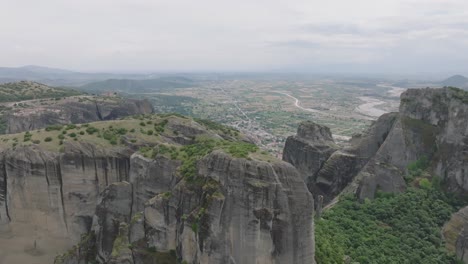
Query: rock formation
column 337, row 167
column 58, row 191
column 74, row 112
column 238, row 211
column 455, row 233
column 431, row 124
column 309, row 150
column 122, row 206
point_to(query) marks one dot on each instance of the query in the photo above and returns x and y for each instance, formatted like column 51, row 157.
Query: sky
column 395, row 36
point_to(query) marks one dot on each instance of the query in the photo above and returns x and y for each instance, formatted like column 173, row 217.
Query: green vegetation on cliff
column 152, row 135
column 459, row 94
column 84, row 251
column 192, row 153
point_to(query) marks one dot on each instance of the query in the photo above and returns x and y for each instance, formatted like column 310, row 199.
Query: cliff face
column 455, row 233
column 58, row 191
column 122, row 206
column 337, row 167
column 431, row 125
column 309, row 150
column 237, row 211
column 74, row 112
column 444, row 113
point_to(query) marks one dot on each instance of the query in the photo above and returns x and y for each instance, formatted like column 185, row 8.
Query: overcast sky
column 237, row 35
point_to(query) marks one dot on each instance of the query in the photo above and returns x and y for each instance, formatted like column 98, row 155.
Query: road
column 297, row 104
column 300, row 107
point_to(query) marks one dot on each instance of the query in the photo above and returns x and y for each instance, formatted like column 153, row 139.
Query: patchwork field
column 269, row 110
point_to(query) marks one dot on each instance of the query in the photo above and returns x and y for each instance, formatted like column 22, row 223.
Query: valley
column 270, row 110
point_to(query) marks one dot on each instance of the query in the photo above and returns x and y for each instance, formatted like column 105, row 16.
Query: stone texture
column 309, row 149
column 236, row 211
column 58, row 191
column 105, row 199
column 76, row 113
column 455, row 233
column 244, row 212
column 327, row 169
column 114, row 208
column 431, row 124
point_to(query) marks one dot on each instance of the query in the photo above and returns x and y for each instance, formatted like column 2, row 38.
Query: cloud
column 221, row 35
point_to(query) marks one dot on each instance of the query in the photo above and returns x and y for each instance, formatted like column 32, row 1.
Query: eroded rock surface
column 309, row 150
column 58, row 191
column 432, row 124
column 74, row 112
column 237, row 211
column 455, row 233
column 334, row 168
column 118, row 204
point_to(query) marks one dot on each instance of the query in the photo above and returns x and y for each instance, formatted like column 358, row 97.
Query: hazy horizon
column 386, row 37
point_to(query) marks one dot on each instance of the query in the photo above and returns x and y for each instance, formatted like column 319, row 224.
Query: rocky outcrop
column 431, row 125
column 113, row 211
column 237, row 194
column 335, row 168
column 455, row 233
column 58, row 191
column 440, row 116
column 74, row 112
column 122, row 206
column 236, row 211
column 309, row 149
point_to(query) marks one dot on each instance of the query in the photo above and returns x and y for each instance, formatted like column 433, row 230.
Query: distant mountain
column 44, row 70
column 132, row 86
column 58, row 77
column 459, row 81
column 27, row 90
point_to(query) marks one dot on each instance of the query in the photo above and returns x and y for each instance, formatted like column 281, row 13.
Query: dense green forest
column 392, row 228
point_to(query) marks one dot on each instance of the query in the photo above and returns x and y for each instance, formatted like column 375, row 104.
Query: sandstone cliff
column 181, row 194
column 82, row 109
column 430, row 125
column 455, row 233
column 237, row 211
column 337, row 167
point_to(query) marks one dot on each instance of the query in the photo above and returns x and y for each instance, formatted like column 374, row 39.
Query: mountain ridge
column 458, row 80
column 60, row 77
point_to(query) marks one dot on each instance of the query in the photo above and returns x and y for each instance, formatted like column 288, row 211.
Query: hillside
column 26, row 90
column 459, row 81
column 138, row 86
column 139, row 131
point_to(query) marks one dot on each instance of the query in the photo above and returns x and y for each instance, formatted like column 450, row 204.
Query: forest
column 392, row 228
